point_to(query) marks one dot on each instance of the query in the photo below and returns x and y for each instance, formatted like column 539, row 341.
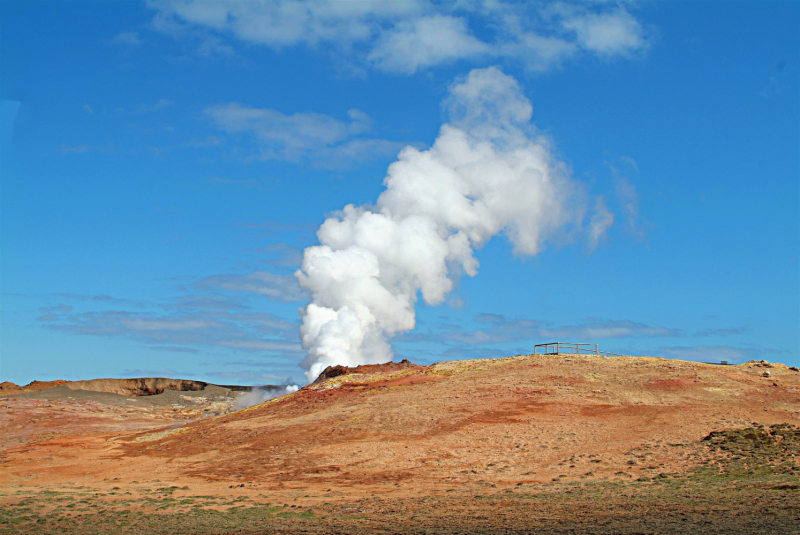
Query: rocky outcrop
column 335, row 371
column 8, row 386
column 332, row 371
column 145, row 386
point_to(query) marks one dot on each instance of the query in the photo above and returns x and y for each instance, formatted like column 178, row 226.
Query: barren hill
column 506, row 421
column 143, row 386
column 472, row 436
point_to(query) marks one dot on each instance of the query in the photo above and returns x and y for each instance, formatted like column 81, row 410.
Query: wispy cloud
column 52, row 313
column 497, row 335
column 721, row 332
column 774, row 85
column 180, row 331
column 282, row 288
column 9, row 111
column 245, row 183
column 496, row 329
column 101, row 298
column 283, row 254
column 160, row 104
column 214, row 312
column 318, row 138
column 161, row 372
column 472, row 352
column 127, row 38
column 731, row 354
column 406, row 37
column 627, row 195
column 278, row 226
column 74, row 149
column 519, row 329
column 195, row 301
column 251, row 378
column 176, row 349
column 208, row 141
column 601, row 221
column 599, row 330
column 87, row 148
column 62, row 309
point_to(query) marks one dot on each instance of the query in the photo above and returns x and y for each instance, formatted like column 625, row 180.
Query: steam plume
column 489, row 171
column 260, row 395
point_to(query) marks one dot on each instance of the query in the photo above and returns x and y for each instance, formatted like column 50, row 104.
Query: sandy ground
column 572, row 444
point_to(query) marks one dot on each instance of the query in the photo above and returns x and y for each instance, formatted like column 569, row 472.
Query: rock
column 766, row 374
column 337, row 370
column 8, row 386
column 331, row 372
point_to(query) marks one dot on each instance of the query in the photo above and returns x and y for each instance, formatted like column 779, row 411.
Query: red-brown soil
column 478, row 438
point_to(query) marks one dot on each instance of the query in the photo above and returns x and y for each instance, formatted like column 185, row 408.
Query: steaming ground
column 261, row 394
column 489, row 172
column 550, row 444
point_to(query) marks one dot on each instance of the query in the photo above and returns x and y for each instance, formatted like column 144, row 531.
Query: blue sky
column 165, row 164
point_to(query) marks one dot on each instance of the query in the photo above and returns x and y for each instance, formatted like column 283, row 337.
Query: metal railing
column 570, row 348
column 556, row 348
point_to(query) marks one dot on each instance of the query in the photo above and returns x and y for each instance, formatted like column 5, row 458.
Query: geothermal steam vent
column 489, row 171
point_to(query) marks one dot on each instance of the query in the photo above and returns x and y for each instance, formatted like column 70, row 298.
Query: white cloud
column 407, row 36
column 280, row 24
column 419, row 43
column 608, row 34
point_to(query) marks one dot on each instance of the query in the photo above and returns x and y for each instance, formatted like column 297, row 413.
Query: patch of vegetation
column 752, row 452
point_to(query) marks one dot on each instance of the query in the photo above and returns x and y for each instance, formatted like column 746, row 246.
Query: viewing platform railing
column 570, row 348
